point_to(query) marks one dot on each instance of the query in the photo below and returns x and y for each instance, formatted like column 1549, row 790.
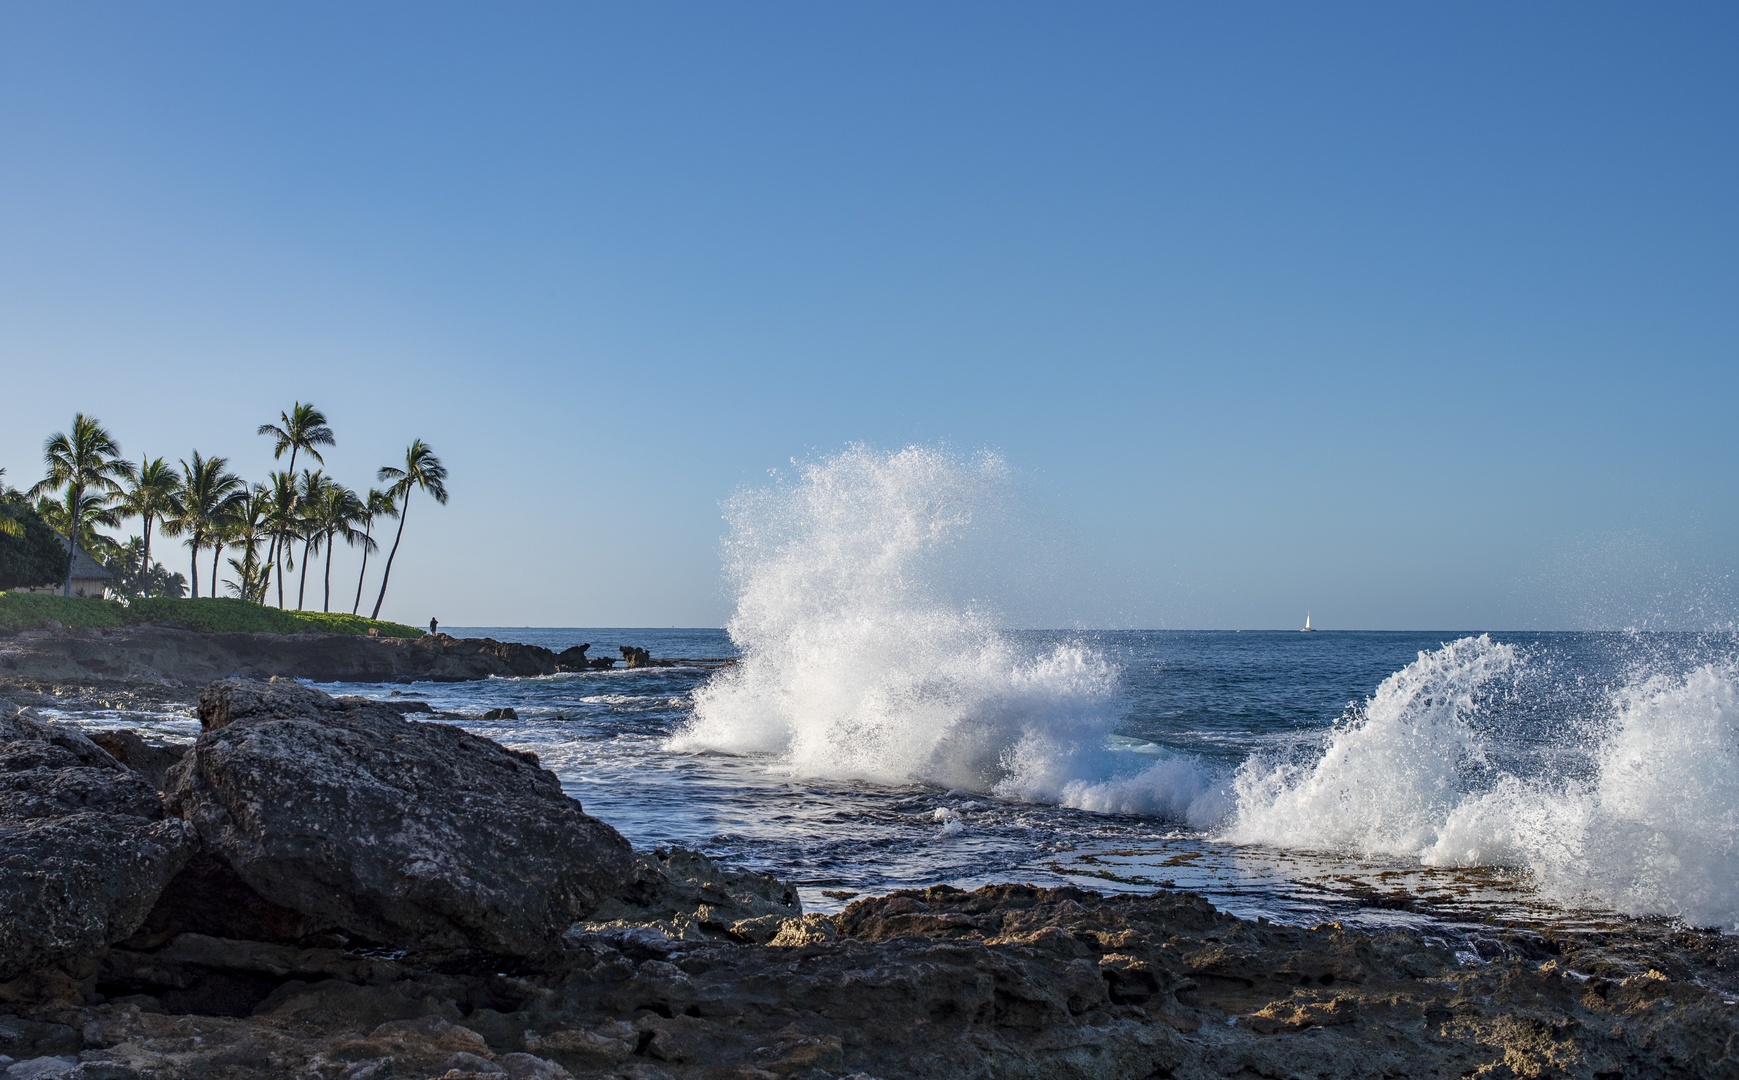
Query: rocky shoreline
column 325, row 887
column 168, row 656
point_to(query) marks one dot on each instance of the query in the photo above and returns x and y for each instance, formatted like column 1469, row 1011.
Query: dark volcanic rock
column 209, row 897
column 399, row 706
column 167, row 655
column 573, row 659
column 84, row 845
column 1009, row 981
column 419, row 835
column 149, row 759
column 684, row 890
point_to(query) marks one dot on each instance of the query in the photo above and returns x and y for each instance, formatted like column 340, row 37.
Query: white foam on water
column 1650, row 827
column 1390, row 775
column 852, row 668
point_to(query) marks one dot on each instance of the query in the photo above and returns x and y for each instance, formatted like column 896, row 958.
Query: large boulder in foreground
column 419, row 835
column 85, row 847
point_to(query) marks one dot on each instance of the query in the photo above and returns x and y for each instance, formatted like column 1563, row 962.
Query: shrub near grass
column 20, row 611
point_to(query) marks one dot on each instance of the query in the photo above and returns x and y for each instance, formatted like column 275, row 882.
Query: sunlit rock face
column 419, row 835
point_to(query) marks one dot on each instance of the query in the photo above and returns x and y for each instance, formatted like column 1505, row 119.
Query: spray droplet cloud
column 852, row 668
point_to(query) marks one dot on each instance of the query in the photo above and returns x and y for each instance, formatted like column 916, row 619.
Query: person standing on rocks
column 433, row 626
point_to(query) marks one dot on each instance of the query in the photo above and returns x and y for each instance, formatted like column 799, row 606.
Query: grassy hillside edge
column 25, row 611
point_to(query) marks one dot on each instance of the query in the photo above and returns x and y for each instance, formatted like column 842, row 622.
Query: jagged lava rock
column 152, row 760
column 419, row 835
column 85, row 847
column 687, row 895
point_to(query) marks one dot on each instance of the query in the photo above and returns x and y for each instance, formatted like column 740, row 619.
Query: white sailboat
column 1308, row 629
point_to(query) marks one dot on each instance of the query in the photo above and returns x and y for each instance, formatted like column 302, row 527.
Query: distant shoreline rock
column 172, row 656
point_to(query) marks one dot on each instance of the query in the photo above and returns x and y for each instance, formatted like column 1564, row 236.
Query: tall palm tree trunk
column 302, row 589
column 326, row 601
column 274, row 556
column 78, row 496
column 367, row 536
column 216, row 551
column 145, row 571
column 404, row 512
column 195, row 545
column 273, row 562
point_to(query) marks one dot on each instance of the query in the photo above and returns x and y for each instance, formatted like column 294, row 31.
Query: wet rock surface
column 417, row 835
column 85, row 846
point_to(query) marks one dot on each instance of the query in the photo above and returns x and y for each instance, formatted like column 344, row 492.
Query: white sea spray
column 1651, row 828
column 852, row 668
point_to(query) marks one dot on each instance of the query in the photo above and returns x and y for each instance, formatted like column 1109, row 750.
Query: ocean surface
column 1435, row 778
column 876, row 730
column 1382, row 778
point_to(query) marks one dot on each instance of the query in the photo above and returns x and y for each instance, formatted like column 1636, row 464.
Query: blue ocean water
column 1420, row 726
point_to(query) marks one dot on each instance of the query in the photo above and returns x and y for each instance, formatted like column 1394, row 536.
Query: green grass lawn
column 22, row 611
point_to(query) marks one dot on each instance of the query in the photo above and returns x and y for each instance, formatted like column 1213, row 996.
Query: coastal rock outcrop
column 574, row 658
column 418, row 835
column 146, row 656
column 169, row 654
column 85, row 847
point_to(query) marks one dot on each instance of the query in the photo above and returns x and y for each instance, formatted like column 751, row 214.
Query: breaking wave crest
column 853, row 668
column 1641, row 816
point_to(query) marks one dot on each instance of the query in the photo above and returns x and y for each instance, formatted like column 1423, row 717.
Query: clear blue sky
column 1418, row 316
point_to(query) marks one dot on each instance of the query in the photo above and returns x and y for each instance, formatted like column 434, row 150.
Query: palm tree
column 8, row 527
column 88, row 460
column 335, row 515
column 250, row 579
column 135, row 578
column 309, row 494
column 209, row 492
column 93, row 509
column 152, row 495
column 379, row 504
column 230, row 528
column 246, row 528
column 422, row 470
column 281, row 522
column 302, row 428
